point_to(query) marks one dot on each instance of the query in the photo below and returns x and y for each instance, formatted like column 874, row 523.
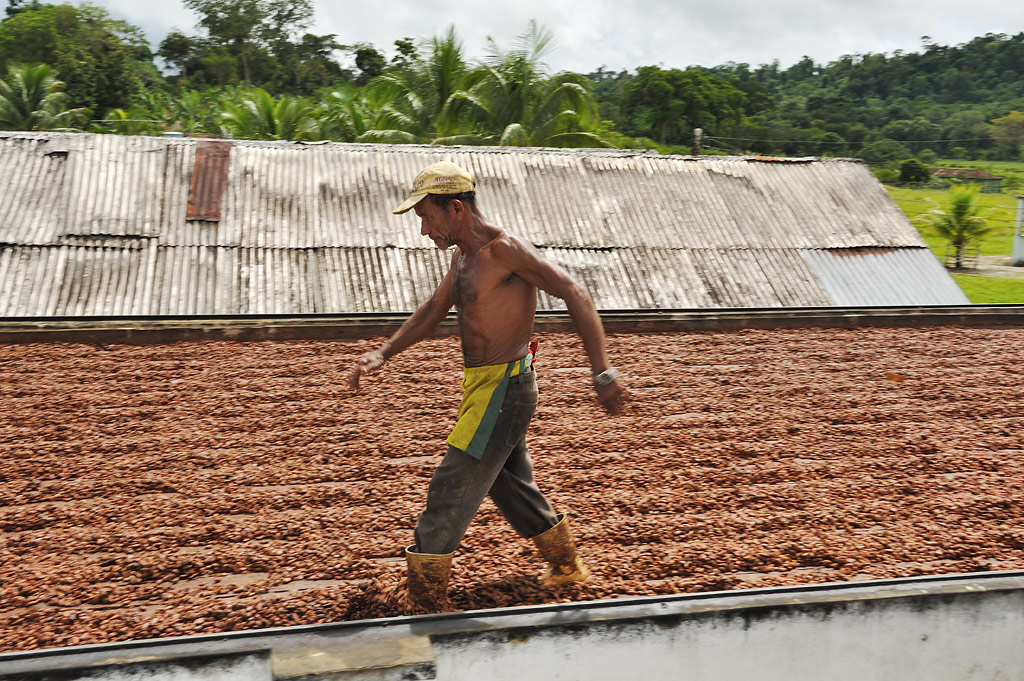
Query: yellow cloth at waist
column 484, row 394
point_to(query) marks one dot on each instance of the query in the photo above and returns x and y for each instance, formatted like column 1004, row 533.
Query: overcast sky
column 626, row 34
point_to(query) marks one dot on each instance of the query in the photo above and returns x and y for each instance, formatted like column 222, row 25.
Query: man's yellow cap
column 443, row 177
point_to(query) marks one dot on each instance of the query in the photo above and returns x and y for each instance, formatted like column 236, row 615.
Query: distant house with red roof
column 989, row 183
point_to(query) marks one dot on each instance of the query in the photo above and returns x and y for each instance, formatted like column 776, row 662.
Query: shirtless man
column 492, row 282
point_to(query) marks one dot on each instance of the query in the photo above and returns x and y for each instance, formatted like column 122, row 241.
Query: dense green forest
column 250, row 69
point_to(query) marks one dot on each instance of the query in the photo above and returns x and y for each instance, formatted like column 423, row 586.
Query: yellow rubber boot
column 559, row 550
column 427, row 581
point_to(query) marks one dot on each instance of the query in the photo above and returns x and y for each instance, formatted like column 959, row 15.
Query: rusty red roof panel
column 209, row 179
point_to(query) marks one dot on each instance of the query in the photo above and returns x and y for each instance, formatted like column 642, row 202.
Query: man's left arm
column 526, row 261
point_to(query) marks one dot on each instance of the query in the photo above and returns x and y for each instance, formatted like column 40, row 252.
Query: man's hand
column 370, row 363
column 613, row 397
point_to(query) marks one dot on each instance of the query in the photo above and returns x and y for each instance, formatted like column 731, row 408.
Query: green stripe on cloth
column 485, row 389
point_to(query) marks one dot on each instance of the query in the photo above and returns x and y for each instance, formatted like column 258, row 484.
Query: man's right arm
column 417, row 327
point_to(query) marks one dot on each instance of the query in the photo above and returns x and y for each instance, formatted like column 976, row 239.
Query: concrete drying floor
column 151, row 491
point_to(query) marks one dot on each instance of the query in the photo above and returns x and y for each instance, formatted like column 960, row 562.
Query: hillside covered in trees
column 250, row 69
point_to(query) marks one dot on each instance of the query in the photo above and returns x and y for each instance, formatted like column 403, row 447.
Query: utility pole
column 698, row 138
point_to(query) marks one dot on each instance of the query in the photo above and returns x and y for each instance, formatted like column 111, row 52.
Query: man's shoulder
column 511, row 244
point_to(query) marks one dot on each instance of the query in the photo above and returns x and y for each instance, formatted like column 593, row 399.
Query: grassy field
column 999, row 209
column 983, row 290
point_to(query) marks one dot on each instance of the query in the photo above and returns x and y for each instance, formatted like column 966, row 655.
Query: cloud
column 629, row 33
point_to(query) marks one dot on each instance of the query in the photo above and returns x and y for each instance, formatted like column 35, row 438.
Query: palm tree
column 135, row 121
column 33, row 99
column 348, row 114
column 961, row 224
column 430, row 103
column 149, row 115
column 259, row 116
column 189, row 111
column 527, row 107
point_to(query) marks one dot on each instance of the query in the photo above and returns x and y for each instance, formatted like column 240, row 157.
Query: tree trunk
column 242, row 48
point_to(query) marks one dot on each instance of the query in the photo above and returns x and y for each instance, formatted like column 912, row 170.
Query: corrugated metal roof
column 884, row 276
column 217, row 280
column 97, row 224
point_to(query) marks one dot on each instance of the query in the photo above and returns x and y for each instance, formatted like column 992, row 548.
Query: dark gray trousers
column 505, row 472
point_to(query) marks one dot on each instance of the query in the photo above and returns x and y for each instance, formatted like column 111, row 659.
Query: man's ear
column 457, row 206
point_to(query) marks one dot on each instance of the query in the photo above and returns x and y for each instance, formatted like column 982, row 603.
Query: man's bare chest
column 479, row 280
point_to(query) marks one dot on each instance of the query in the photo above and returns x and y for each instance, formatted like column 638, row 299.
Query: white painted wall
column 255, row 667
column 1018, row 234
column 959, row 639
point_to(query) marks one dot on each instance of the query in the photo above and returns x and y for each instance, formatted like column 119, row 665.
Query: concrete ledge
column 139, row 330
column 950, row 627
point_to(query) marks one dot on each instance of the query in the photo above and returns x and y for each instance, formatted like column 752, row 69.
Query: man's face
column 435, row 222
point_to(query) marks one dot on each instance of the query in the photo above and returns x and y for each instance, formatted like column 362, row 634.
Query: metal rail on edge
column 400, row 634
column 148, row 329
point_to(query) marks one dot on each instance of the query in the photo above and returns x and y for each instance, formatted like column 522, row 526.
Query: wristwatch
column 606, row 377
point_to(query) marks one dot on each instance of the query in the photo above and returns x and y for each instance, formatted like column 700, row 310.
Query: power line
column 818, row 141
